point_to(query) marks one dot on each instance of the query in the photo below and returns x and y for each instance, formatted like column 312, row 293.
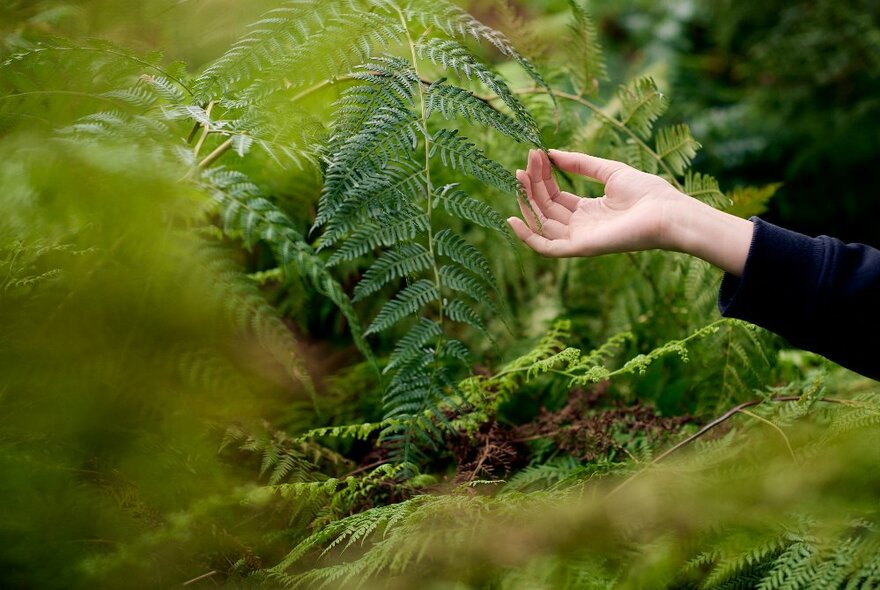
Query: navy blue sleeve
column 818, row 293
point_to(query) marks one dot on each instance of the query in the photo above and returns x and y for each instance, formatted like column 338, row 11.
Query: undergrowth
column 483, row 418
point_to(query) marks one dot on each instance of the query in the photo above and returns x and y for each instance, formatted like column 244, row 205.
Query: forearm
column 719, row 238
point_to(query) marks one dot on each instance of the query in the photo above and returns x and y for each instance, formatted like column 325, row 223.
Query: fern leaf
column 588, row 62
column 458, row 250
column 451, row 55
column 371, row 235
column 460, row 154
column 459, row 311
column 461, row 205
column 705, row 188
column 407, row 302
column 413, row 343
column 677, row 147
column 642, row 104
column 406, row 259
column 457, row 279
column 453, row 102
column 456, row 22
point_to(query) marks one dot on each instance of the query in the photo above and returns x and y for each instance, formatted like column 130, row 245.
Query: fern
column 590, row 63
column 643, row 104
column 705, row 188
column 677, row 146
column 247, row 214
column 375, row 196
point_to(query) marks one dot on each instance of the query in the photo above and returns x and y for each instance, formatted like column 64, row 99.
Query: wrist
column 722, row 239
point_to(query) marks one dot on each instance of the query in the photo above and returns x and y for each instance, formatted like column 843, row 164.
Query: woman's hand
column 629, row 217
column 639, row 211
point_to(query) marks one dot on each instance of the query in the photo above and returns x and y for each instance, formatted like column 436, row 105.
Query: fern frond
column 457, row 279
column 588, row 64
column 407, row 302
column 706, row 189
column 279, row 32
column 456, row 22
column 461, row 205
column 453, row 102
column 642, row 104
column 460, row 154
column 414, row 342
column 248, row 215
column 371, row 235
column 451, row 55
column 460, row 251
column 459, row 311
column 405, row 260
column 342, row 44
column 677, row 147
column 382, row 199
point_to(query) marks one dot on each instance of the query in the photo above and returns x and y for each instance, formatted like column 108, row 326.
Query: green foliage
column 393, row 400
column 589, row 67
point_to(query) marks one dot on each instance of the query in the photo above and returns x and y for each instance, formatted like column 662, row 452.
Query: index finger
column 598, row 168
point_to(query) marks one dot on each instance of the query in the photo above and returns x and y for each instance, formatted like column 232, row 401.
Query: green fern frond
column 706, row 189
column 248, row 215
column 457, row 279
column 460, row 154
column 456, row 22
column 407, row 302
column 588, row 63
column 677, row 147
column 459, row 311
column 413, row 343
column 461, row 252
column 405, row 260
column 453, row 102
column 642, row 104
column 451, row 55
column 732, row 570
column 461, row 205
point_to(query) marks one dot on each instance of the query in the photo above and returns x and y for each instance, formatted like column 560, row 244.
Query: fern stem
column 133, row 58
column 202, row 577
column 213, row 156
column 608, row 119
column 60, row 92
column 738, row 409
column 320, row 85
column 775, row 427
column 423, row 113
column 205, row 131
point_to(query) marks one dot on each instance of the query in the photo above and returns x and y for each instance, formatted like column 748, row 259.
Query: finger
column 540, row 192
column 532, row 215
column 567, row 200
column 539, row 244
column 532, row 207
column 547, row 176
column 554, row 230
column 598, row 168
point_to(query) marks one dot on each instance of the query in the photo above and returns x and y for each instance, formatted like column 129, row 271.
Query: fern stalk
column 429, row 188
column 205, row 132
column 620, row 127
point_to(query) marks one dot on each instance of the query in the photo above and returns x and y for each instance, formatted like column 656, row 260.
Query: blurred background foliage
column 777, row 92
column 130, row 352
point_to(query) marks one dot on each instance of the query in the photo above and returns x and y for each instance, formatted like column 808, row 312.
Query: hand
column 639, row 211
column 629, row 217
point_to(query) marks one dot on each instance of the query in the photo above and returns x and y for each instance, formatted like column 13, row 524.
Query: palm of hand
column 626, row 218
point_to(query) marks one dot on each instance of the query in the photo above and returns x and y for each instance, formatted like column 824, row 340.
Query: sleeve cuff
column 777, row 286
